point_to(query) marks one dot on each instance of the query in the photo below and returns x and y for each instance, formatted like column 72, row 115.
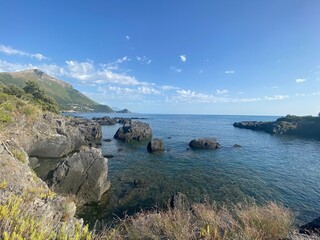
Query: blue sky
column 183, row 56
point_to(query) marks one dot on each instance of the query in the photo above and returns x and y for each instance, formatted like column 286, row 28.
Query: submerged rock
column 83, row 175
column 155, row 145
column 134, row 131
column 204, row 143
column 236, row 145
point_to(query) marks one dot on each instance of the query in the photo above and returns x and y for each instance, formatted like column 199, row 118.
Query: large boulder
column 155, row 145
column 204, row 143
column 134, row 131
column 83, row 175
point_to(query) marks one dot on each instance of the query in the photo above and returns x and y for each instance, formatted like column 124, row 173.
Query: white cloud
column 316, row 93
column 147, row 90
column 168, row 88
column 176, row 69
column 183, row 58
column 127, row 37
column 300, row 94
column 277, row 97
column 51, row 69
column 229, row 72
column 10, row 51
column 222, row 91
column 300, row 80
column 143, row 60
column 121, row 60
column 14, row 67
column 81, row 71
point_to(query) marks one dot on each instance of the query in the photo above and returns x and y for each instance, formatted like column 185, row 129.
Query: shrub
column 17, row 221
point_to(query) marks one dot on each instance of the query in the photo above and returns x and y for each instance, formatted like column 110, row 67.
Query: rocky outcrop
column 90, row 130
column 204, row 143
column 83, row 175
column 55, row 136
column 155, row 145
column 18, row 181
column 306, row 127
column 113, row 121
column 134, row 131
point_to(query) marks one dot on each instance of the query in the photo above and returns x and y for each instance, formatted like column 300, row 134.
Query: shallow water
column 266, row 167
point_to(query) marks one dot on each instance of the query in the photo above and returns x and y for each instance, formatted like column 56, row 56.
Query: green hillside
column 67, row 97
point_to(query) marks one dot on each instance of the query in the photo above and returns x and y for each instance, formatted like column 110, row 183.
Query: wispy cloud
column 176, row 69
column 10, row 51
column 300, row 80
column 127, row 37
column 300, row 94
column 183, row 58
column 168, row 88
column 143, row 60
column 222, row 91
column 229, row 72
column 276, row 97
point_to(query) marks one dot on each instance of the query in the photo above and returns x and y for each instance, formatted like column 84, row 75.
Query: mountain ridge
column 68, row 98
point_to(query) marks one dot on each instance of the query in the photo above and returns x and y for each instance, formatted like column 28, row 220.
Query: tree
column 39, row 95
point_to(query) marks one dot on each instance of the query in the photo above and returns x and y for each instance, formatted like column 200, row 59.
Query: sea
column 282, row 169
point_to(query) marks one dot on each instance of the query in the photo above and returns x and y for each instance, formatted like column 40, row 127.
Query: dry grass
column 207, row 221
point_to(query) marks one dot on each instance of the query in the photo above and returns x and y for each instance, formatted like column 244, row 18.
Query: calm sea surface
column 278, row 168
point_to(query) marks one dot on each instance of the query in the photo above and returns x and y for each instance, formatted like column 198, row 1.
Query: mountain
column 68, row 98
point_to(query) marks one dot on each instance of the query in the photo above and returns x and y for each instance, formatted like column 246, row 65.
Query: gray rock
column 155, row 145
column 83, row 175
column 56, row 137
column 204, row 143
column 134, row 131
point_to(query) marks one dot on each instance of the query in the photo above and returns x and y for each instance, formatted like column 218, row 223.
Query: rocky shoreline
column 84, row 172
column 304, row 127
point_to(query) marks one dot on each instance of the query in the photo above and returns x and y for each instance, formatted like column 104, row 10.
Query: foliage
column 18, row 222
column 13, row 90
column 39, row 95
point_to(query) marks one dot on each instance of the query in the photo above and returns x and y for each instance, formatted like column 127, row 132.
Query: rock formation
column 134, row 131
column 155, row 145
column 204, row 143
column 306, row 127
column 83, row 175
column 55, row 136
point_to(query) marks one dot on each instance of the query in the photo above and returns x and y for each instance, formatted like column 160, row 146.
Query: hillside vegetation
column 65, row 95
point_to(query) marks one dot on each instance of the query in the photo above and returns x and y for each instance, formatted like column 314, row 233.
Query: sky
column 255, row 57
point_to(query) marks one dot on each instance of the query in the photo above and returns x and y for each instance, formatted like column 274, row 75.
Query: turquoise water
column 266, row 167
